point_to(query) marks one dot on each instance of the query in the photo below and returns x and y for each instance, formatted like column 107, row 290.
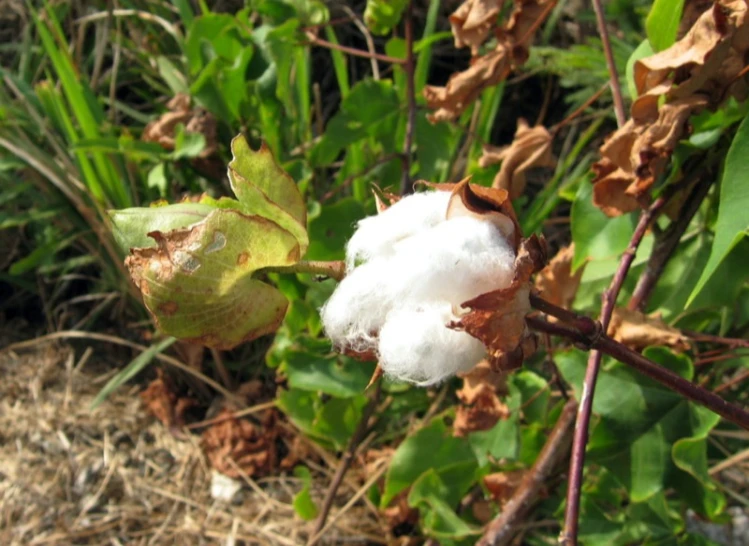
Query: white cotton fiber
column 417, row 269
column 416, row 346
column 376, row 235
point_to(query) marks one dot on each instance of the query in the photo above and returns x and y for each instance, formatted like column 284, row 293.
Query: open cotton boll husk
column 376, row 235
column 416, row 345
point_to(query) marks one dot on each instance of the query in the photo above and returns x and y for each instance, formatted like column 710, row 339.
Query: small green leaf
column 430, row 495
column 733, row 221
column 303, row 504
column 382, row 15
column 662, row 23
column 198, row 282
column 264, row 188
column 334, row 375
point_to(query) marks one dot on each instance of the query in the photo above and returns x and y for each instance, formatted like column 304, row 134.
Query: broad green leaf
column 332, row 228
column 597, row 236
column 132, row 226
column 371, row 108
column 263, row 188
column 335, row 375
column 382, row 15
column 303, row 504
column 639, row 421
column 433, row 447
column 662, row 23
column 432, row 496
column 338, row 418
column 198, row 282
column 733, row 221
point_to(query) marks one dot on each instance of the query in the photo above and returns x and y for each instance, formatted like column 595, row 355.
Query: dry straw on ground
column 114, row 475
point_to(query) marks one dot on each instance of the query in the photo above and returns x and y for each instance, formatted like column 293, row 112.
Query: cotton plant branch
column 577, row 461
column 503, row 528
column 343, row 465
column 606, row 345
column 616, row 91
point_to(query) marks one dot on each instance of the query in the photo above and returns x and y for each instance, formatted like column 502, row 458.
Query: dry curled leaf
column 637, row 331
column 481, row 407
column 161, row 401
column 530, row 148
column 497, row 318
column 195, row 120
column 502, row 485
column 700, row 70
column 556, row 281
column 235, row 446
column 472, row 22
column 511, row 51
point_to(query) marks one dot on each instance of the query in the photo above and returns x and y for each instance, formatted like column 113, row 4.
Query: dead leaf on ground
column 556, row 282
column 472, row 22
column 502, row 485
column 637, row 331
column 531, row 148
column 481, row 407
column 161, row 401
column 497, row 318
column 399, row 512
column 195, row 120
column 513, row 39
column 237, row 443
column 700, row 70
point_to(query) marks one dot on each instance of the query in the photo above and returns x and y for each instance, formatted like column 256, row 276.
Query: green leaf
column 198, row 282
column 264, row 188
column 131, row 226
column 597, row 236
column 640, row 421
column 430, row 495
column 187, row 145
column 643, row 50
column 131, row 370
column 431, row 448
column 335, row 375
column 332, row 228
column 662, row 23
column 690, row 455
column 733, row 221
column 303, row 504
column 382, row 15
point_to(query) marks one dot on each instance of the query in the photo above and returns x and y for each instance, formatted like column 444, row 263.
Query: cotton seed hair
column 409, row 269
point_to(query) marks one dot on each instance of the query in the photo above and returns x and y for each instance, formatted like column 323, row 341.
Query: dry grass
column 69, row 475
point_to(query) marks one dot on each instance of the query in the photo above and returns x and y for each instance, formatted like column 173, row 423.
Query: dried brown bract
column 556, row 281
column 530, row 148
column 699, row 71
column 481, row 407
column 637, row 331
column 511, row 51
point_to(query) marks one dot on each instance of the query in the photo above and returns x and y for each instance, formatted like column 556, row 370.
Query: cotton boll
column 416, row 345
column 454, row 261
column 376, row 235
column 357, row 309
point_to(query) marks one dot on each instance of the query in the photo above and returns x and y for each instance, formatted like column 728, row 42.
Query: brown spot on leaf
column 242, row 258
column 168, row 308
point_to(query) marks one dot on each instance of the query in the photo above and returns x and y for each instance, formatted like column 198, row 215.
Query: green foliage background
column 71, row 116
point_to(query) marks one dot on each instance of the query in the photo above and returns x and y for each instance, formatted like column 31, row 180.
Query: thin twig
column 347, row 182
column 409, row 69
column 656, row 372
column 577, row 461
column 346, row 459
column 367, row 38
column 502, row 529
column 666, row 244
column 314, row 40
column 616, row 91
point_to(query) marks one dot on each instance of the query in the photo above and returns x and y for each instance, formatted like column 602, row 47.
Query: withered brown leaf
column 637, row 331
column 556, row 281
column 196, row 120
column 472, row 22
column 502, row 485
column 530, row 148
column 481, row 407
column 162, row 401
